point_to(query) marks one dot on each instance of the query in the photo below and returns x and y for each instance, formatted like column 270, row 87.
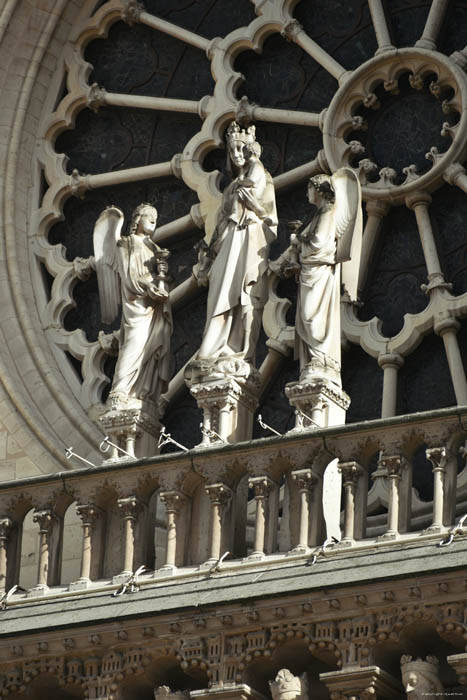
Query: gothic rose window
column 146, row 96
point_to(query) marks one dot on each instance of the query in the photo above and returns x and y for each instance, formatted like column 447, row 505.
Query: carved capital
column 245, row 111
column 438, row 458
column 5, row 526
column 453, row 172
column 129, row 507
column 173, row 500
column 291, row 30
column 89, row 513
column 262, row 485
column 219, row 494
column 45, row 519
column 131, row 11
column 351, row 472
column 418, row 199
column 304, row 478
column 78, row 184
column 392, row 464
column 83, row 267
column 390, row 359
column 96, row 97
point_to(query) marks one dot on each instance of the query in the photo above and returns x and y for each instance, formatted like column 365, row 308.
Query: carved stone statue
column 421, row 678
column 286, row 686
column 324, row 258
column 332, row 237
column 246, row 225
column 132, row 272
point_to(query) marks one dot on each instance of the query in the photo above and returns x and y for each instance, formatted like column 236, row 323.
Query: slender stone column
column 420, row 202
column 219, row 495
column 130, row 508
column 447, row 328
column 376, row 211
column 393, row 466
column 380, row 25
column 173, row 501
column 5, row 527
column 262, row 486
column 45, row 519
column 390, row 364
column 293, row 31
column 351, row 472
column 433, row 25
column 305, row 480
column 438, row 458
column 89, row 514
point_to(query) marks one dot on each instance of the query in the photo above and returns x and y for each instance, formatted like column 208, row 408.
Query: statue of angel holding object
column 132, row 273
column 325, row 260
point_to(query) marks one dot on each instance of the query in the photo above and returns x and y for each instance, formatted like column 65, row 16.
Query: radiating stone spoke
column 252, row 113
column 98, row 96
column 433, row 24
column 293, row 31
column 380, row 25
column 81, row 183
column 302, row 172
column 161, row 25
column 178, row 227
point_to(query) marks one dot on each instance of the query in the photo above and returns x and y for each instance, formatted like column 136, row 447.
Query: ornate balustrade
column 262, row 502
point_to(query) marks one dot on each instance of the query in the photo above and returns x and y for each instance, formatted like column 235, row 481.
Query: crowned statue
column 223, row 377
column 324, row 258
column 286, row 686
column 420, row 678
column 246, row 225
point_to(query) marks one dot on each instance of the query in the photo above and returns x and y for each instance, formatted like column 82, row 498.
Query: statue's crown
column 285, row 682
column 409, row 663
column 236, row 133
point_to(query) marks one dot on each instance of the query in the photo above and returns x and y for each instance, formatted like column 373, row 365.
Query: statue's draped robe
column 237, row 279
column 143, row 366
column 317, row 324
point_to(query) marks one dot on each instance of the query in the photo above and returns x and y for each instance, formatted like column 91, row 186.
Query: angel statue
column 235, row 263
column 325, row 259
column 132, row 272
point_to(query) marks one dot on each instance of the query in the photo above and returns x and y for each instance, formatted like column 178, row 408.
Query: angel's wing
column 348, row 223
column 106, row 234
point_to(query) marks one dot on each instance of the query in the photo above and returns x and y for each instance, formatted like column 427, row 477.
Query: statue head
column 241, row 145
column 286, row 686
column 163, row 692
column 144, row 219
column 420, row 678
column 321, row 185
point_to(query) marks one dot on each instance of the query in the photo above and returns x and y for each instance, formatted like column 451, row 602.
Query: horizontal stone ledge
column 165, row 598
column 451, row 417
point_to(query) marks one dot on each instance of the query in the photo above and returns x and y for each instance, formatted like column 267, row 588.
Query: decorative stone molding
column 318, row 403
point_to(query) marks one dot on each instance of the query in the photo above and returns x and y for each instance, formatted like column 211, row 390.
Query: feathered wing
column 348, row 228
column 105, row 237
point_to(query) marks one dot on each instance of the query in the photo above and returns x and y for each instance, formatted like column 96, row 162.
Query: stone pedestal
column 228, row 691
column 135, row 430
column 364, row 683
column 318, row 403
column 459, row 663
column 227, row 390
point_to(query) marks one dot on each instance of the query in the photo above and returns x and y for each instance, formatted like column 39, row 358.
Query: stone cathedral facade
column 237, row 540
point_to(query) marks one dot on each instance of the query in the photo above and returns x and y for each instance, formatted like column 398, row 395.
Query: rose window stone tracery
column 329, row 91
